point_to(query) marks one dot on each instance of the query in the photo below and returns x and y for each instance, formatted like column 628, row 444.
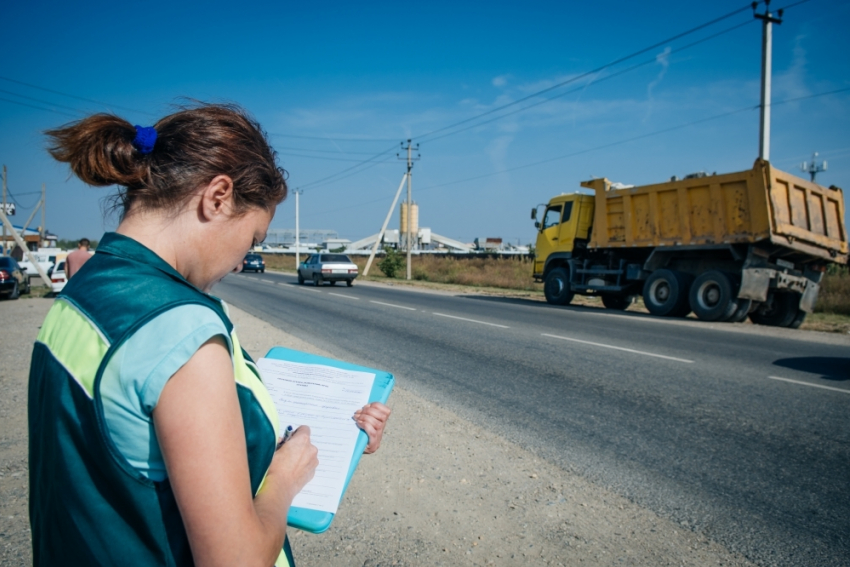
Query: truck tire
column 781, row 312
column 712, row 296
column 556, row 288
column 617, row 302
column 665, row 293
column 740, row 314
column 798, row 320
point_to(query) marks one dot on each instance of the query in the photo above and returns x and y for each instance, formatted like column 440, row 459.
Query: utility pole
column 814, row 167
column 43, row 213
column 4, row 209
column 384, row 226
column 297, row 230
column 766, row 50
column 409, row 237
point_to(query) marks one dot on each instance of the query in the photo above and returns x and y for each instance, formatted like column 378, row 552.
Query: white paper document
column 325, row 399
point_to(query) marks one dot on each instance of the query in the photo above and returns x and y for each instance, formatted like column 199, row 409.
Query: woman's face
column 235, row 239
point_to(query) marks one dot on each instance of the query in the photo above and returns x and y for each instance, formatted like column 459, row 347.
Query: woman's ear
column 217, row 198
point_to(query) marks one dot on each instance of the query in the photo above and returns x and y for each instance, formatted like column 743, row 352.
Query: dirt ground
column 440, row 491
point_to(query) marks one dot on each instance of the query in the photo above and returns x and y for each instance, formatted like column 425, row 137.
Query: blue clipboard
column 314, row 521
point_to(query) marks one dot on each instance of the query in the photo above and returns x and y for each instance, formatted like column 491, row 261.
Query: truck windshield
column 553, row 217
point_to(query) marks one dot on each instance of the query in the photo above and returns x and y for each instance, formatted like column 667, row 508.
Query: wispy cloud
column 663, row 59
column 791, row 83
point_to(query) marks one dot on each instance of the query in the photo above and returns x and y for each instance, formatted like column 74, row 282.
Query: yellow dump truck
column 753, row 243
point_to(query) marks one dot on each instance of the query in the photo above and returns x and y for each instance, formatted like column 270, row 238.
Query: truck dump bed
column 763, row 204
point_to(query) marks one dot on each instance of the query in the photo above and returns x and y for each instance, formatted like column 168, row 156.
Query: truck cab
column 564, row 224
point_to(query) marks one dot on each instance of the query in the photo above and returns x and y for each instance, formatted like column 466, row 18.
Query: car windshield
column 61, row 267
column 253, row 257
column 5, row 262
column 335, row 258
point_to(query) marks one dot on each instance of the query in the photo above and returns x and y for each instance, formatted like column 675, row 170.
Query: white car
column 58, row 279
column 43, row 260
column 331, row 268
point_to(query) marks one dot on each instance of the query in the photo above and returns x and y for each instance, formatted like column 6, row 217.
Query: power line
column 593, row 72
column 323, row 151
column 593, row 82
column 371, row 165
column 98, row 102
column 38, row 107
column 15, row 200
column 632, row 139
column 38, row 100
column 319, row 157
column 349, row 139
column 338, row 173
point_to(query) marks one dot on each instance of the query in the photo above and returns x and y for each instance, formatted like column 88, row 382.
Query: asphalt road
column 742, row 436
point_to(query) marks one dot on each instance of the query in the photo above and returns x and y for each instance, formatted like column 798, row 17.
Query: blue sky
column 334, row 81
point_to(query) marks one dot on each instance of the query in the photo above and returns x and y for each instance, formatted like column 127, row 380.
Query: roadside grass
column 511, row 277
column 37, row 290
column 834, row 295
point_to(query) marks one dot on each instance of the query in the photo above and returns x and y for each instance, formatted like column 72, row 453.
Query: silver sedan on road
column 328, row 268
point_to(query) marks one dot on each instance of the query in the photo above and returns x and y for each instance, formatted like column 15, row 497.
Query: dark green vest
column 88, row 506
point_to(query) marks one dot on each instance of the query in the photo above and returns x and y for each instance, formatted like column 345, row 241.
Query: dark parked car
column 328, row 268
column 253, row 263
column 13, row 280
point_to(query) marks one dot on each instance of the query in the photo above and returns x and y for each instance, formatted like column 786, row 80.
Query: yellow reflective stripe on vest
column 75, row 342
column 244, row 376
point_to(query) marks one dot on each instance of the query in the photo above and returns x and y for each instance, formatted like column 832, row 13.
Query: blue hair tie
column 145, row 139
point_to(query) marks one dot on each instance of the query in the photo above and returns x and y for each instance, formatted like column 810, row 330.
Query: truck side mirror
column 534, row 213
column 536, row 224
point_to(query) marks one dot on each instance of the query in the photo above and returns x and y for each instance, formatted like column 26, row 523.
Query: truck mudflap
column 756, row 282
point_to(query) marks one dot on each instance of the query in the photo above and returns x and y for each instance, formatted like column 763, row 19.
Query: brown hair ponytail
column 192, row 147
column 99, row 150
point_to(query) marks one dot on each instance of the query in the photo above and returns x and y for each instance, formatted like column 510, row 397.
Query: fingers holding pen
column 297, row 458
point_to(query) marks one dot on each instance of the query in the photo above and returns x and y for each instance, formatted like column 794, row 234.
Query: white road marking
column 392, row 305
column 308, row 289
column 345, row 296
column 620, row 348
column 809, row 384
column 267, row 281
column 472, row 321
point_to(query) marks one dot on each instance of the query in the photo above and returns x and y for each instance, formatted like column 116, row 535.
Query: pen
column 286, row 435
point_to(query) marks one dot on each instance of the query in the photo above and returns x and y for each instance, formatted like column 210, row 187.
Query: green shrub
column 392, row 263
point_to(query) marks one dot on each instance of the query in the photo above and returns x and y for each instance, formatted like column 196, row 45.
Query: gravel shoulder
column 440, row 491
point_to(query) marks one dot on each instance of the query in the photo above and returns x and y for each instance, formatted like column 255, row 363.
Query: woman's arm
column 198, row 423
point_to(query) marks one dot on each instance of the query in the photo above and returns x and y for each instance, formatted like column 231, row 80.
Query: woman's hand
column 372, row 419
column 295, row 461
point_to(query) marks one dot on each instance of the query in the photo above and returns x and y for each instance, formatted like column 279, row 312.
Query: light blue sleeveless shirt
column 139, row 370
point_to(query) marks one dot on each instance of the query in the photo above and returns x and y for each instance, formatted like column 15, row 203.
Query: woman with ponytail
column 152, row 438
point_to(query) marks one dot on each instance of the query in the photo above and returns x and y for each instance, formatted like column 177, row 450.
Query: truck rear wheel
column 740, row 314
column 781, row 311
column 798, row 320
column 712, row 297
column 665, row 293
column 617, row 302
column 556, row 288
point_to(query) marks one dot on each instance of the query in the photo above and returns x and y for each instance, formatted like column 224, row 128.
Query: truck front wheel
column 665, row 293
column 556, row 288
